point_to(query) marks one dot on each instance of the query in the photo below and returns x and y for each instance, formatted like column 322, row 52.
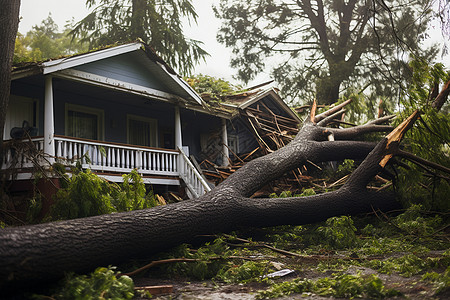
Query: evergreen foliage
column 342, row 286
column 322, row 47
column 158, row 23
column 103, row 284
column 339, row 233
column 216, row 88
column 429, row 139
column 89, row 195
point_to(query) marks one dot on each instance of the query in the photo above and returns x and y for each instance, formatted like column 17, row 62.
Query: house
column 122, row 108
column 261, row 121
column 116, row 109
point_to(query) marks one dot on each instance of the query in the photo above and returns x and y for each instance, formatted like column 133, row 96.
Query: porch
column 108, row 160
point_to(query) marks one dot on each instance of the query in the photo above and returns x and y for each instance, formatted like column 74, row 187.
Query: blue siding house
column 121, row 107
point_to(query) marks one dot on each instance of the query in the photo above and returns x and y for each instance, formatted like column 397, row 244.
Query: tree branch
column 415, row 159
column 442, row 97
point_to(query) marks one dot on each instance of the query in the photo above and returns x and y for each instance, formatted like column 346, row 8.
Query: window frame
column 153, row 124
column 100, row 113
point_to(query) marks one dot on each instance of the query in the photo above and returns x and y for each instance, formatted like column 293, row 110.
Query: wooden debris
column 272, row 132
column 161, row 199
column 156, row 289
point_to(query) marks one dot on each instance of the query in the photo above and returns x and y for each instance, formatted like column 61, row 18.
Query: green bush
column 87, row 195
column 339, row 233
column 102, row 284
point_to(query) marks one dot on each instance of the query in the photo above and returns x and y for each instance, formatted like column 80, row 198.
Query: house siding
column 126, row 68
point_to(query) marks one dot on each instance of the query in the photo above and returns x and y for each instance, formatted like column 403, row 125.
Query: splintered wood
column 272, row 132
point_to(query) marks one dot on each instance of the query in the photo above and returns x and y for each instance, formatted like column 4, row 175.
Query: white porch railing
column 195, row 183
column 22, row 154
column 109, row 157
column 112, row 157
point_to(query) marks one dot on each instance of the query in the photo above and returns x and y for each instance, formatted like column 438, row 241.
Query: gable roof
column 251, row 96
column 146, row 73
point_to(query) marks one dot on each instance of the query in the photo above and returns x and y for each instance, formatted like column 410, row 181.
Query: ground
column 399, row 257
column 183, row 289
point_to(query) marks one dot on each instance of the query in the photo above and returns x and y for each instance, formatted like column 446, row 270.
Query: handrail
column 103, row 143
column 196, row 184
column 112, row 157
column 11, row 156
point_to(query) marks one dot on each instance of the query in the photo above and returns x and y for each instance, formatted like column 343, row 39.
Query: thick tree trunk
column 46, row 251
column 327, row 90
column 9, row 22
column 138, row 17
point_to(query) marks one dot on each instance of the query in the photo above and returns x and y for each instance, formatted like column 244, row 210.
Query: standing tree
column 9, row 22
column 322, row 46
column 158, row 23
column 46, row 41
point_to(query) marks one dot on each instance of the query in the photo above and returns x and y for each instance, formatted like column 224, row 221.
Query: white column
column 49, row 126
column 226, row 155
column 178, row 137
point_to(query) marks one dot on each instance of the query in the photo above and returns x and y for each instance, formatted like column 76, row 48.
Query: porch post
column 178, row 140
column 178, row 137
column 49, row 127
column 225, row 154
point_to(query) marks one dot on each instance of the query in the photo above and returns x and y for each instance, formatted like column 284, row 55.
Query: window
column 20, row 109
column 84, row 122
column 233, row 143
column 142, row 131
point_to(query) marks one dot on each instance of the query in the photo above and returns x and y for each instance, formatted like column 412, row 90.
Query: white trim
column 112, row 178
column 153, row 124
column 185, row 86
column 162, row 181
column 98, row 80
column 70, row 62
column 49, row 119
column 272, row 92
column 100, row 113
column 178, row 129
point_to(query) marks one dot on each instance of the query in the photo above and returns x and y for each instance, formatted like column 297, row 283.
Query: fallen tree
column 46, row 251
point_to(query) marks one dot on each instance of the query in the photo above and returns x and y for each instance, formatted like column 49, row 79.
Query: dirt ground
column 411, row 287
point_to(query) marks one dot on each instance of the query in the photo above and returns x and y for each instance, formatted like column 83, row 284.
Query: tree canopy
column 158, row 23
column 322, row 47
column 46, row 41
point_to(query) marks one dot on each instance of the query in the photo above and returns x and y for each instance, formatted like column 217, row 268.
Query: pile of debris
column 270, row 128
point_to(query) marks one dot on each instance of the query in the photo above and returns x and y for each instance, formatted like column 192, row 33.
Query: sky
column 32, row 12
column 205, row 30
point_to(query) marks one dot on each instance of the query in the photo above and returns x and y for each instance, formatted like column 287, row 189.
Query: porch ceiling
column 105, row 94
column 61, row 86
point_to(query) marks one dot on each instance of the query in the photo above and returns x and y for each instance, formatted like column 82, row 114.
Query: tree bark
column 9, row 22
column 441, row 97
column 46, row 251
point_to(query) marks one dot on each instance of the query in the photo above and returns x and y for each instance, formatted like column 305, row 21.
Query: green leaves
column 101, row 284
column 339, row 232
column 89, row 195
column 321, row 48
column 157, row 23
column 215, row 88
column 342, row 286
column 46, row 41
